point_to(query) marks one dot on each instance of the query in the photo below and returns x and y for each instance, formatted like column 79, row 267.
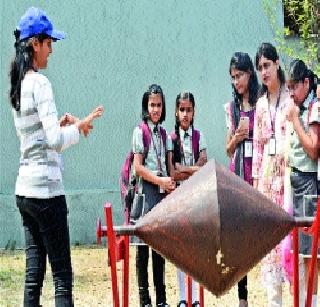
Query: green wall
column 113, row 51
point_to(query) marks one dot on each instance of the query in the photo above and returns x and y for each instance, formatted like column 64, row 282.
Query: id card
column 161, row 190
column 272, row 146
column 248, row 149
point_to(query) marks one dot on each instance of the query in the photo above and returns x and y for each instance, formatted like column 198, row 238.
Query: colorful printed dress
column 270, row 169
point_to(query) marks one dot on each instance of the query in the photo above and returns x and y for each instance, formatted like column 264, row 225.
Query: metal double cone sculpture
column 215, row 227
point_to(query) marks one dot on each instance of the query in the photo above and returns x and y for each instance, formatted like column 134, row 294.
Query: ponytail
column 21, row 63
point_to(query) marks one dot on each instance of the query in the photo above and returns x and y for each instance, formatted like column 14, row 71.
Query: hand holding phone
column 244, row 123
column 242, row 131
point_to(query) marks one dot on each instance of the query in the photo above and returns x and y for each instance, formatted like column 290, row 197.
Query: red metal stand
column 118, row 249
column 189, row 292
column 314, row 231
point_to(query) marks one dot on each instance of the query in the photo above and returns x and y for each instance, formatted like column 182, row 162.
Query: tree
column 299, row 37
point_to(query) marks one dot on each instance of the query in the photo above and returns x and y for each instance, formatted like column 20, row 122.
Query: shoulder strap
column 163, row 133
column 173, row 136
column 176, row 147
column 196, row 144
column 146, row 138
column 310, row 108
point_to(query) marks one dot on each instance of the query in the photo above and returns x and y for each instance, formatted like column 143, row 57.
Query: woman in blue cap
column 39, row 190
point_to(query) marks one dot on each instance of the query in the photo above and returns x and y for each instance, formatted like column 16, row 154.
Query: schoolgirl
column 39, row 190
column 186, row 153
column 240, row 121
column 303, row 154
column 154, row 182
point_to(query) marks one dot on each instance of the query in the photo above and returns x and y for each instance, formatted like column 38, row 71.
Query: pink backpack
column 128, row 182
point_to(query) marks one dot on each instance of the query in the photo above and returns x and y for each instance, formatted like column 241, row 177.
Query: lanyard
column 273, row 120
column 158, row 152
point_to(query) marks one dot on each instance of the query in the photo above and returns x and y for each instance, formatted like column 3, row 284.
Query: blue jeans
column 46, row 233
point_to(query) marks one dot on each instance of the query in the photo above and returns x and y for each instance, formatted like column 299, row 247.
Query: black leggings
column 242, row 289
column 158, row 264
column 46, row 233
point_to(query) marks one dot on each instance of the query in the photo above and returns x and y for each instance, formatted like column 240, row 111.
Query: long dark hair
column 242, row 61
column 268, row 51
column 153, row 89
column 22, row 62
column 298, row 72
column 177, row 143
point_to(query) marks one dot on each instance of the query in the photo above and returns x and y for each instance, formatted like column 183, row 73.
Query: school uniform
column 187, row 158
column 303, row 175
column 152, row 196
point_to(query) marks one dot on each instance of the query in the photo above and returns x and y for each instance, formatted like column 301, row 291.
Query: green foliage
column 303, row 17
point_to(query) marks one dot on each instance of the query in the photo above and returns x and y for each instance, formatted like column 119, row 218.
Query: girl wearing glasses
column 240, row 121
column 153, row 183
column 303, row 155
column 268, row 162
column 186, row 154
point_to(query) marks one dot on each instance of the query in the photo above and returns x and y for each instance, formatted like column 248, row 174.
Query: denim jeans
column 46, row 233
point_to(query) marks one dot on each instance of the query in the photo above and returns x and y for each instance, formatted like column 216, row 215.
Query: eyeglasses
column 237, row 76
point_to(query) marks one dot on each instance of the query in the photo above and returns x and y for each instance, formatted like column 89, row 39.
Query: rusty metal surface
column 215, row 227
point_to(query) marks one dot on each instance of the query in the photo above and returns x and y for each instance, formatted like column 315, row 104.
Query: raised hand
column 86, row 123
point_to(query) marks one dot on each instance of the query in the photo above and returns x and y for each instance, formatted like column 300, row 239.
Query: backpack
column 177, row 146
column 127, row 181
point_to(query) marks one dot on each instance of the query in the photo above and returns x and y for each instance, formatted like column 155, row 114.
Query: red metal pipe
column 189, row 290
column 313, row 263
column 125, row 266
column 201, row 296
column 295, row 267
column 111, row 245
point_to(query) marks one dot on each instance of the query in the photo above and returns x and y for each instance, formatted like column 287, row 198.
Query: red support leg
column 111, row 245
column 201, row 296
column 313, row 263
column 125, row 273
column 189, row 289
column 295, row 267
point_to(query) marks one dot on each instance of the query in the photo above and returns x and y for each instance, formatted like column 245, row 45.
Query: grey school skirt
column 143, row 203
column 305, row 190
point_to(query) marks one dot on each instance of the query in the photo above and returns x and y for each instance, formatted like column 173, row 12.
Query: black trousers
column 158, row 267
column 46, row 233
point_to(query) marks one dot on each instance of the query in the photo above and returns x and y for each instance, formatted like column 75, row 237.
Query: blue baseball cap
column 34, row 22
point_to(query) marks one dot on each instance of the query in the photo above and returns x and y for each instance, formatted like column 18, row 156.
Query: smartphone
column 244, row 123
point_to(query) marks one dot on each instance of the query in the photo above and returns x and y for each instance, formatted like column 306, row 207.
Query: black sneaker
column 163, row 305
column 196, row 304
